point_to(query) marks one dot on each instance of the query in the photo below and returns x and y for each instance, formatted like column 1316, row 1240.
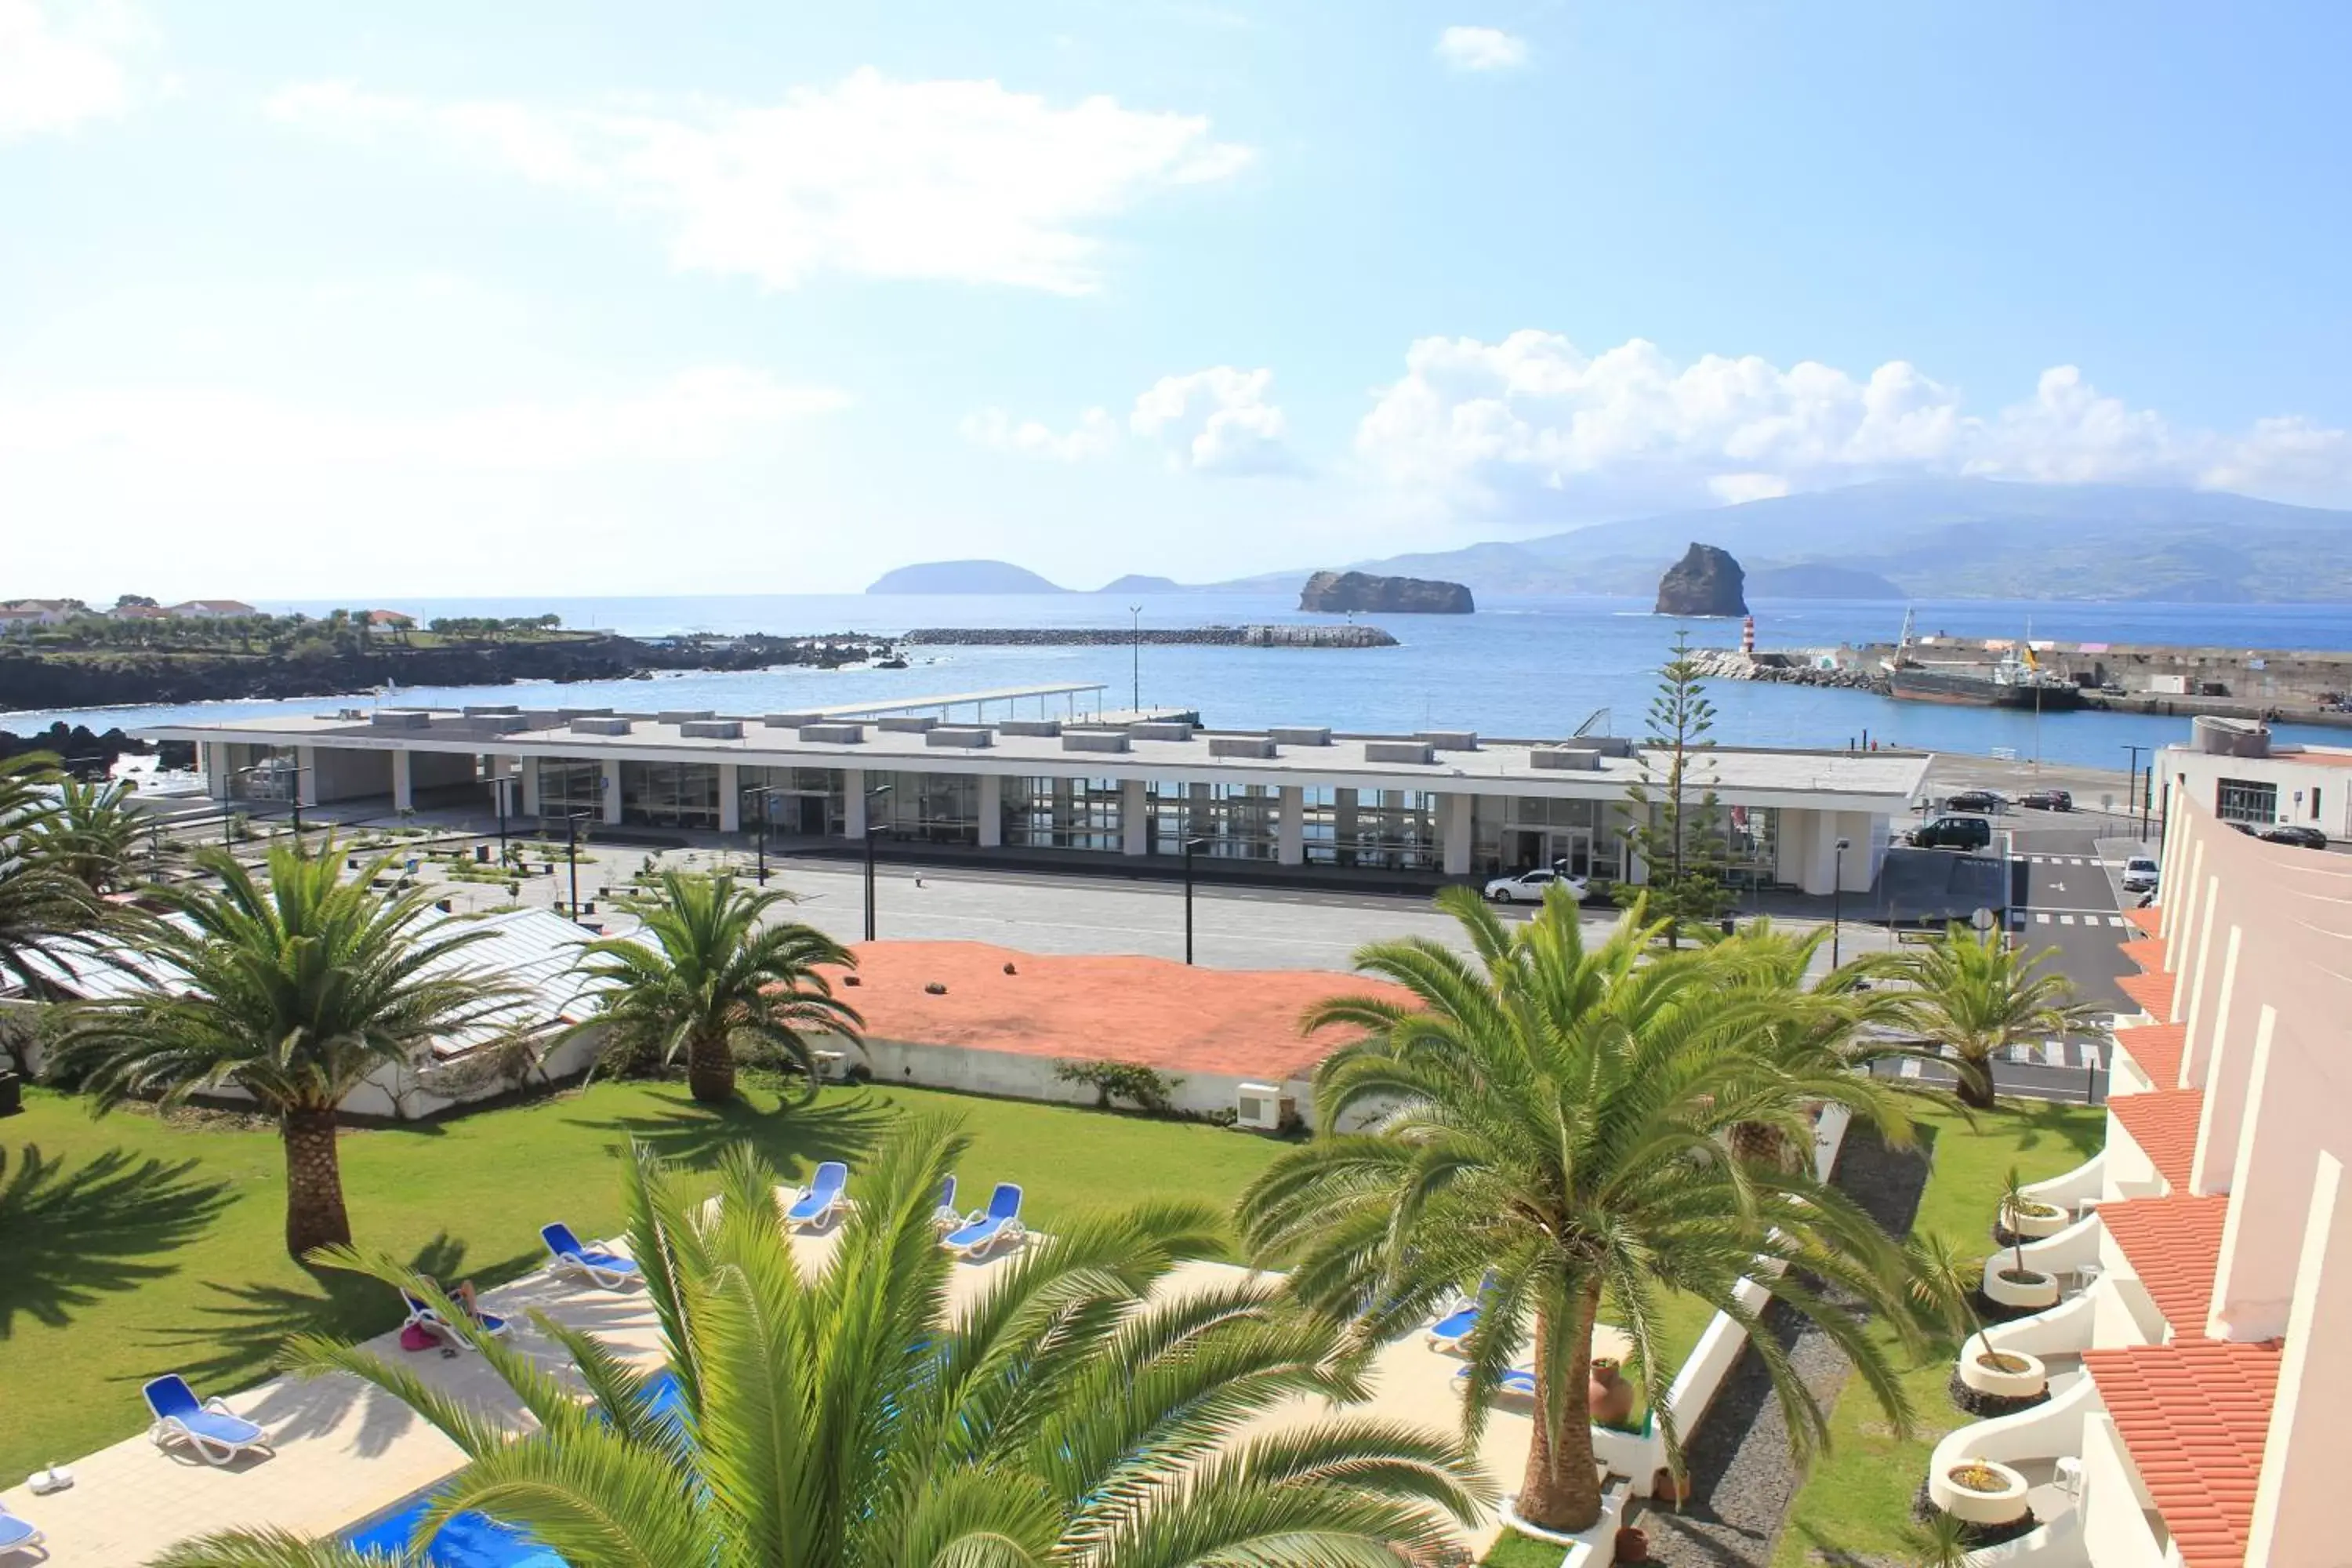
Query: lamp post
column 502, row 788
column 876, row 793
column 1189, row 845
column 1837, row 901
column 2137, row 794
column 1135, row 660
column 764, row 795
column 571, row 821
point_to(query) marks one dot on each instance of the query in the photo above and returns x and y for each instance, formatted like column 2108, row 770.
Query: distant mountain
column 1134, row 582
column 1815, row 580
column 963, row 577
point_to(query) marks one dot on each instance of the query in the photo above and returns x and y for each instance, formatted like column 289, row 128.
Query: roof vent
column 906, row 725
column 1420, row 752
column 1241, row 746
column 712, row 729
column 792, row 721
column 489, row 710
column 1450, row 740
column 599, row 724
column 971, row 735
column 833, row 734
column 1161, row 730
column 1301, row 735
column 682, row 716
column 1029, row 727
column 402, row 719
column 1585, row 759
column 1094, row 740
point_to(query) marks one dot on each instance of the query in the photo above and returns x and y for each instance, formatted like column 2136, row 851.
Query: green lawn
column 1858, row 1499
column 135, row 1245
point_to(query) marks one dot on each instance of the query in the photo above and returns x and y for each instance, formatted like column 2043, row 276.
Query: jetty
column 1350, row 635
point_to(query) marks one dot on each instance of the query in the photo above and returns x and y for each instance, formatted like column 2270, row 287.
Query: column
column 992, row 811
column 306, row 782
column 530, row 806
column 852, row 803
column 1134, row 819
column 212, row 757
column 612, row 792
column 1290, row 827
column 1343, row 825
column 1454, row 832
column 730, row 800
column 2296, row 1515
column 404, row 797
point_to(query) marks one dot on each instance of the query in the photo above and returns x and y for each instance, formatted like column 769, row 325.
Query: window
column 1379, row 829
column 2243, row 800
column 566, row 787
column 804, row 800
column 934, row 808
column 1237, row 821
column 670, row 794
column 1050, row 813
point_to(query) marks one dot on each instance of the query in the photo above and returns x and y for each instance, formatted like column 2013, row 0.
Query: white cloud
column 1096, row 434
column 960, row 181
column 62, row 64
column 697, row 415
column 1216, row 421
column 1533, row 422
column 1481, row 49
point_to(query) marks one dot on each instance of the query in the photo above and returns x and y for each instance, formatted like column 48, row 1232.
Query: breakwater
column 1794, row 668
column 1350, row 635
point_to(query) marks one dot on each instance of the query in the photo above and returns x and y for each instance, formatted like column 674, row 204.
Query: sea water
column 1519, row 667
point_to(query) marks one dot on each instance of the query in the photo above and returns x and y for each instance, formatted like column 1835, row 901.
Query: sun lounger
column 821, row 1198
column 984, row 1229
column 1448, row 1332
column 422, row 1315
column 205, row 1424
column 947, row 1217
column 1516, row 1383
column 17, row 1533
column 609, row 1269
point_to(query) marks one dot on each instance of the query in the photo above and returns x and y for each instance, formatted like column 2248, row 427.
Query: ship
column 2016, row 679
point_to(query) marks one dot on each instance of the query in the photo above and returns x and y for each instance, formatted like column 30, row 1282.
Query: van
column 1954, row 833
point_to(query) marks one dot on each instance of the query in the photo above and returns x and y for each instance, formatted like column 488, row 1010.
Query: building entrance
column 1529, row 848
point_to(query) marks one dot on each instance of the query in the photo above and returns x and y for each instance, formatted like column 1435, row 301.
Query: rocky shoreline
column 1350, row 635
column 1728, row 664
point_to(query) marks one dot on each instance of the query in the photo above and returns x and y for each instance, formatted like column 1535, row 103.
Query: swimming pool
column 468, row 1540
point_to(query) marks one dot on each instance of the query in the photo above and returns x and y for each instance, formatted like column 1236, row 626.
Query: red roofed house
column 991, row 1020
column 2197, row 1355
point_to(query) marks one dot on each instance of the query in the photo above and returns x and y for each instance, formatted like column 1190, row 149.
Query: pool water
column 468, row 1540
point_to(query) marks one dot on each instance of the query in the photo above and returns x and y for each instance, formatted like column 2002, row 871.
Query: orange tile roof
column 1149, row 1011
column 2195, row 1415
column 2174, row 1245
column 2152, row 990
column 2146, row 952
column 2157, row 1048
column 2164, row 1125
column 2150, row 920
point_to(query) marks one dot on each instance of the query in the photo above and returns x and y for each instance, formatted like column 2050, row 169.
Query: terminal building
column 2234, row 771
column 1440, row 804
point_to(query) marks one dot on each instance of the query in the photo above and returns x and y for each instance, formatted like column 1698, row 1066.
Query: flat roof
column 1822, row 780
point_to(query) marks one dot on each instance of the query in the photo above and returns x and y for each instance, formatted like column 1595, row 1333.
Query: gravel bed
column 1742, row 1479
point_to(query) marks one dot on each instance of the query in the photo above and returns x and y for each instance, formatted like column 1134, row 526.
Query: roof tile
column 2157, row 1048
column 2152, row 990
column 2146, row 952
column 2194, row 1415
column 2174, row 1245
column 2164, row 1124
column 2150, row 920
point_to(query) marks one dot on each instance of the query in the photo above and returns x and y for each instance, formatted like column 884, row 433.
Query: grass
column 1856, row 1504
column 137, row 1245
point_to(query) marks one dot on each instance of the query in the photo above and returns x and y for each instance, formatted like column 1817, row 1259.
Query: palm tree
column 1086, row 1410
column 43, row 907
column 716, row 976
column 1974, row 996
column 1556, row 1114
column 1944, row 1283
column 294, row 989
column 92, row 835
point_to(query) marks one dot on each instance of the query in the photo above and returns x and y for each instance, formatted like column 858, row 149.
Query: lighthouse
column 1747, row 637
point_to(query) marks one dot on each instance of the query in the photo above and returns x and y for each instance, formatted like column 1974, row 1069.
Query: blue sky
column 296, row 300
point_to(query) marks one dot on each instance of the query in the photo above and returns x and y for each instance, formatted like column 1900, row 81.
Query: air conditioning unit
column 1263, row 1107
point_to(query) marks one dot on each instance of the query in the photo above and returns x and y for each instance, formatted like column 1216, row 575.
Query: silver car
column 1528, row 887
column 2140, row 874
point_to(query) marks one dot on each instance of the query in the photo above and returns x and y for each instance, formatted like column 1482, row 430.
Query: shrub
column 1147, row 1089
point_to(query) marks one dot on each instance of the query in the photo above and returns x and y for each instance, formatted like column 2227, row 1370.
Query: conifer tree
column 1675, row 821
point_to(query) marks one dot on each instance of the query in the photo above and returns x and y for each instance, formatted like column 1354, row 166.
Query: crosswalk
column 2081, row 1055
column 2065, row 918
column 2067, row 860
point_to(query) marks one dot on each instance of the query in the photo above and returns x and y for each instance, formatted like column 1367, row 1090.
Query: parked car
column 2140, row 874
column 2047, row 800
column 1953, row 833
column 2296, row 834
column 1530, row 887
column 1976, row 800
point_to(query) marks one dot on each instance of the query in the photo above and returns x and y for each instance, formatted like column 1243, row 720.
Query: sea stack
column 1705, row 581
column 1335, row 592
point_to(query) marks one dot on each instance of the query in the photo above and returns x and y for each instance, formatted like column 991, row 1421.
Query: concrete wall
column 339, row 772
column 1013, row 1076
column 2116, row 1528
column 2324, row 787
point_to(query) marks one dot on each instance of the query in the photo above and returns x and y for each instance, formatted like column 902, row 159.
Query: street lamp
column 876, row 793
column 1135, row 660
column 571, row 821
column 2137, row 794
column 502, row 788
column 1837, row 899
column 1189, row 845
column 764, row 795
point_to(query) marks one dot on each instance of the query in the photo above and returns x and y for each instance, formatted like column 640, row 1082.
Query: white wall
column 2325, row 789
column 2116, row 1527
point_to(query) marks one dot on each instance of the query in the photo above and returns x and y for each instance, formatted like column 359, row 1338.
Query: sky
column 577, row 297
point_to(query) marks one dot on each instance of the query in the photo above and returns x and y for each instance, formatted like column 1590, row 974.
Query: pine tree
column 1676, row 822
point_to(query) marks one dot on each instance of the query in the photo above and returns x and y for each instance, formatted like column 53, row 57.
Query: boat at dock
column 2014, row 680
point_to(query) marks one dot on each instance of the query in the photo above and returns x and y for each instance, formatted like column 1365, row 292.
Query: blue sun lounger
column 1448, row 1332
column 947, row 1217
column 983, row 1230
column 17, row 1533
column 1516, row 1383
column 821, row 1198
column 204, row 1425
column 422, row 1315
column 609, row 1269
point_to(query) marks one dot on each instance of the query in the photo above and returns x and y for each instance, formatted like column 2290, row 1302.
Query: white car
column 2140, row 874
column 1528, row 887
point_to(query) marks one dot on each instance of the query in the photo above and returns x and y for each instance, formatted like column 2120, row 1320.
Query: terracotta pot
column 1664, row 1488
column 1611, row 1396
column 1633, row 1544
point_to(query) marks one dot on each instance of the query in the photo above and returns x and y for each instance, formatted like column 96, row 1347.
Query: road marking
column 2040, row 917
column 2065, row 919
column 1909, row 1067
column 2117, row 920
column 2054, row 1053
column 2019, row 1053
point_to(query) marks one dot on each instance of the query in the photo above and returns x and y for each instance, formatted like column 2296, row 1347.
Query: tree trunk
column 1974, row 1086
column 1561, row 1492
column 710, row 1070
column 314, row 1183
column 1761, row 1144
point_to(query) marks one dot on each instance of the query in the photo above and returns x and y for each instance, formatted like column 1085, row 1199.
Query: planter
column 2003, row 1375
column 1633, row 1544
column 1611, row 1396
column 1666, row 1489
column 2033, row 1222
column 2025, row 1289
column 1979, row 1491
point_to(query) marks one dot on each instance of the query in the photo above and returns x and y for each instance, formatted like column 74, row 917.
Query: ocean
column 1520, row 668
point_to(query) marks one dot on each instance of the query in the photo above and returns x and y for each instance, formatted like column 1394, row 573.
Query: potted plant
column 1940, row 1283
column 2024, row 1218
column 1980, row 1491
column 2011, row 1282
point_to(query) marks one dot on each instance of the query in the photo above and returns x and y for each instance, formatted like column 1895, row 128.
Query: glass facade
column 670, row 794
column 804, row 800
column 265, row 772
column 2243, row 800
column 567, row 787
column 1048, row 812
column 1236, row 821
column 931, row 808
